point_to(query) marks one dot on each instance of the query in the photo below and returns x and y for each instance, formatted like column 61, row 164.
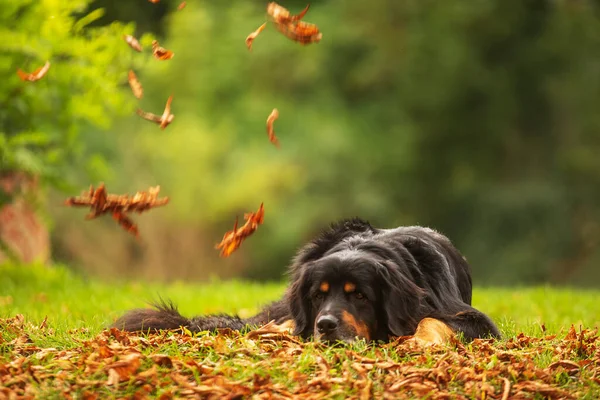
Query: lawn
column 60, row 346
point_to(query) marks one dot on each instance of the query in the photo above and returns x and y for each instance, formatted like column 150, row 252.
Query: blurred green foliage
column 43, row 123
column 476, row 118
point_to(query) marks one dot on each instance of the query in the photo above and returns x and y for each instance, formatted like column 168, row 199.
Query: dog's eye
column 319, row 296
column 359, row 295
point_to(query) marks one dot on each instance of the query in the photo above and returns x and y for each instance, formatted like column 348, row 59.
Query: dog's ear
column 403, row 302
column 300, row 305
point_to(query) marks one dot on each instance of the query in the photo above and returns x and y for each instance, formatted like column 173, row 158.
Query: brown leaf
column 291, row 26
column 233, row 239
column 270, row 130
column 365, row 393
column 161, row 53
column 281, row 15
column 505, row 389
column 147, row 375
column 164, row 120
column 124, row 368
column 301, row 32
column 136, row 86
column 542, row 388
column 113, row 378
column 35, row 75
column 133, row 42
column 565, row 364
column 100, row 203
column 250, row 38
column 572, row 334
column 162, row 360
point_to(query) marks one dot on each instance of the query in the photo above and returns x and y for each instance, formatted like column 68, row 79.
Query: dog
column 355, row 281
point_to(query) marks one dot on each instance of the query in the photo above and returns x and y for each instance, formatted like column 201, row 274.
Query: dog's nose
column 327, row 324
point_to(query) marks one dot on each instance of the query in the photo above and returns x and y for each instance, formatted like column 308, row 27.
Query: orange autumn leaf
column 281, row 15
column 161, row 53
column 153, row 1
column 181, row 6
column 164, row 120
column 233, row 239
column 136, row 86
column 167, row 117
column 35, row 75
column 250, row 38
column 125, row 367
column 301, row 32
column 292, row 26
column 132, row 42
column 100, row 203
column 270, row 129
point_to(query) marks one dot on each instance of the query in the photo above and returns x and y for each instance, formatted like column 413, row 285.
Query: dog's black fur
column 355, row 280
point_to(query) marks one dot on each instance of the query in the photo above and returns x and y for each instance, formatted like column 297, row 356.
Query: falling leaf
column 100, row 203
column 292, row 26
column 253, row 35
column 281, row 15
column 181, row 6
column 35, row 75
column 233, row 239
column 164, row 120
column 270, row 130
column 136, row 86
column 301, row 32
column 133, row 42
column 161, row 53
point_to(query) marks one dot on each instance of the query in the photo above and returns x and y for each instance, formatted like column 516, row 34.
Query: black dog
column 357, row 281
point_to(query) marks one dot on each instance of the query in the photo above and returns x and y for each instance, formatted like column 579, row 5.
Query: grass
column 77, row 309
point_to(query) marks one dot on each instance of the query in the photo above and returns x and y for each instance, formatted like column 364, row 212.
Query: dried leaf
column 270, row 130
column 100, row 203
column 161, row 53
column 125, row 367
column 233, row 239
column 136, row 86
column 133, row 42
column 281, row 15
column 250, row 38
column 292, row 26
column 163, row 360
column 301, row 32
column 114, row 359
column 164, row 120
column 565, row 364
column 506, row 389
column 35, row 75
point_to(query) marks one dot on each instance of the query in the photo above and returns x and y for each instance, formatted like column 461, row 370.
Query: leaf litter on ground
column 270, row 363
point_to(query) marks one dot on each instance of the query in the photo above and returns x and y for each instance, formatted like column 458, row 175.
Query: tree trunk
column 23, row 236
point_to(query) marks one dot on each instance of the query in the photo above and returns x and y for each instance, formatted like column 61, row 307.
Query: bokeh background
column 478, row 118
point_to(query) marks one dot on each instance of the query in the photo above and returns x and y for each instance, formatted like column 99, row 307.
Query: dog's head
column 353, row 291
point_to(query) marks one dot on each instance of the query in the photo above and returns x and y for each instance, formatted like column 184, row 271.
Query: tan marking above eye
column 324, row 287
column 349, row 287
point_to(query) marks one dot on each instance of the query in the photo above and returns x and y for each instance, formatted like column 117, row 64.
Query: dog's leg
column 472, row 324
column 432, row 331
column 287, row 326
